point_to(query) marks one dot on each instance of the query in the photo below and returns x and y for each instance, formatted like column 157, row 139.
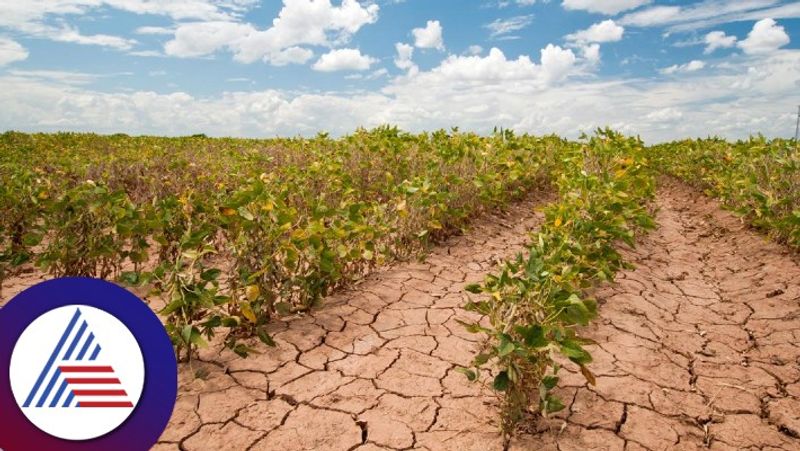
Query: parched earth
column 697, row 347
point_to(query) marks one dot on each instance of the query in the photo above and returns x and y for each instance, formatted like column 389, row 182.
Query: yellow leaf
column 247, row 312
column 227, row 211
column 401, row 206
column 252, row 292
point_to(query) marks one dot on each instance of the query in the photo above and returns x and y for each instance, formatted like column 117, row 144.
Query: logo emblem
column 90, row 375
column 89, row 367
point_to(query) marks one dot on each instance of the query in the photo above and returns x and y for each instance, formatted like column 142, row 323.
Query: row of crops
column 233, row 232
column 757, row 178
column 535, row 302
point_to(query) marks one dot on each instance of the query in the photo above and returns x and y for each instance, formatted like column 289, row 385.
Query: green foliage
column 534, row 304
column 757, row 178
column 232, row 232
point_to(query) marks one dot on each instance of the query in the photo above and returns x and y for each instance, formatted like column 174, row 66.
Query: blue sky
column 663, row 69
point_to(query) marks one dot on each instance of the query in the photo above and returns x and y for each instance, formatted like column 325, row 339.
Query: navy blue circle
column 150, row 416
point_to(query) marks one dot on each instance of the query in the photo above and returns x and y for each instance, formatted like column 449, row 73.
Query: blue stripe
column 53, row 380
column 69, row 399
column 86, row 346
column 53, row 356
column 75, row 341
column 96, row 351
column 60, row 392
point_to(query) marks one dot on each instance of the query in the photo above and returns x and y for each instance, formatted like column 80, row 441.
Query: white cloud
column 429, row 37
column 23, row 14
column 691, row 66
column 403, row 60
column 459, row 72
column 656, row 15
column 300, row 22
column 665, row 115
column 69, row 34
column 11, row 51
column 605, row 31
column 718, row 40
column 765, row 37
column 292, row 55
column 475, row 50
column 46, row 18
column 749, row 96
column 591, row 53
column 608, row 7
column 708, row 13
column 500, row 27
column 343, row 59
column 155, row 30
column 556, row 63
column 62, row 77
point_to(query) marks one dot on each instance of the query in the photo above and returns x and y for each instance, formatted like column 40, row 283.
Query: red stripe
column 86, row 369
column 99, row 392
column 105, row 404
column 91, row 380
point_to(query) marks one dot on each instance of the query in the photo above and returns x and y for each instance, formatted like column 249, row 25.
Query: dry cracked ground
column 698, row 347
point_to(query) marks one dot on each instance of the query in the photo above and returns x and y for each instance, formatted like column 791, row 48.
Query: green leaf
column 471, row 375
column 481, row 359
column 265, row 338
column 575, row 352
column 501, row 381
column 533, row 335
column 210, row 274
column 473, row 288
column 130, row 277
column 553, row 404
column 506, row 346
column 549, row 382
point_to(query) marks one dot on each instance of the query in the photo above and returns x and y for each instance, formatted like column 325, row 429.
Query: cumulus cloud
column 605, row 31
column 591, row 53
column 718, row 40
column 343, row 59
column 299, row 23
column 429, row 37
column 608, row 7
column 403, row 60
column 765, row 37
column 456, row 71
column 691, row 66
column 11, row 51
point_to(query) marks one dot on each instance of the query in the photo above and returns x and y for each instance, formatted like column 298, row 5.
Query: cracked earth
column 697, row 347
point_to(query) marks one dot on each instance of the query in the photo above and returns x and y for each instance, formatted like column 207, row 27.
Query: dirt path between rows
column 373, row 368
column 698, row 347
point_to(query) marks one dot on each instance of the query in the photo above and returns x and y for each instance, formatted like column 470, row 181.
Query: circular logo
column 90, row 366
column 80, row 383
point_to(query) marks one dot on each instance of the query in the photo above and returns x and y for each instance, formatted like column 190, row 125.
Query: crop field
column 442, row 290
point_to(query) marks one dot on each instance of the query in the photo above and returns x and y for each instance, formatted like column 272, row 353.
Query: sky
column 661, row 69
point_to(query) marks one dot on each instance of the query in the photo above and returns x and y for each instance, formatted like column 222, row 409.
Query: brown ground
column 698, row 347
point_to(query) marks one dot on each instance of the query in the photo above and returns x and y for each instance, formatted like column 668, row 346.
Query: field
column 445, row 290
